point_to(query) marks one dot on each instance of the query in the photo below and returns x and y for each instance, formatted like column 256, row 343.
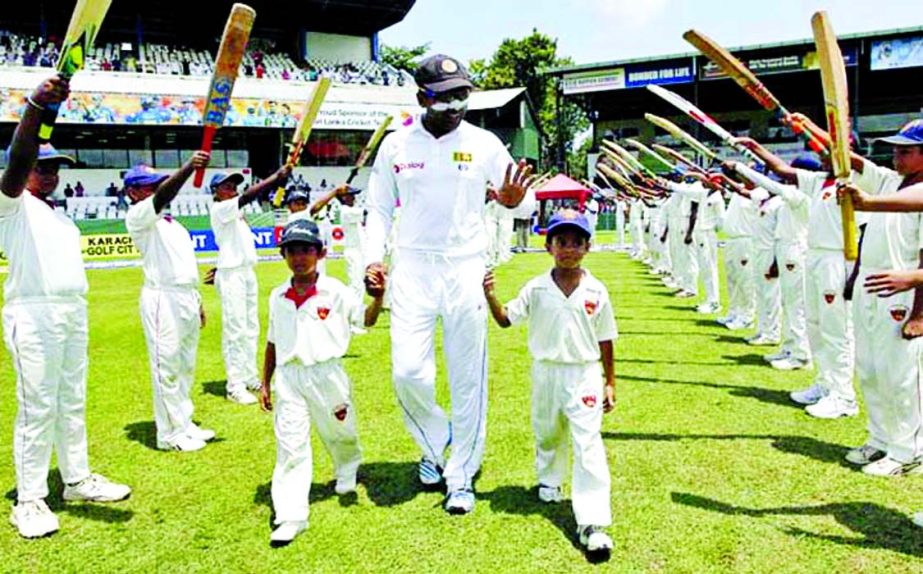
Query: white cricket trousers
column 47, row 339
column 636, row 225
column 355, row 271
column 426, row 287
column 620, row 225
column 240, row 325
column 889, row 372
column 706, row 248
column 792, row 258
column 768, row 295
column 685, row 264
column 830, row 322
column 171, row 326
column 319, row 393
column 738, row 267
column 567, row 403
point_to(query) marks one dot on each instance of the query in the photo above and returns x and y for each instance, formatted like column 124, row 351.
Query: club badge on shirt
column 340, row 411
column 590, row 306
column 829, row 296
column 589, row 401
column 898, row 312
column 322, row 313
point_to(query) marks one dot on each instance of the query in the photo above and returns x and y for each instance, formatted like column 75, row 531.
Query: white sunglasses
column 454, row 105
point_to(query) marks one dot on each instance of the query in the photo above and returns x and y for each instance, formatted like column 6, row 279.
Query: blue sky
column 601, row 30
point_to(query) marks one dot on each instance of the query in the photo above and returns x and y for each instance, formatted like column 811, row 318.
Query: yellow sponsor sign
column 108, row 246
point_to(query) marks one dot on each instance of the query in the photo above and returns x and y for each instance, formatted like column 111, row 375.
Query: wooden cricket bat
column 648, row 151
column 678, row 157
column 631, row 160
column 736, row 70
column 677, row 132
column 702, row 118
column 86, row 19
column 227, row 63
column 369, row 149
column 836, row 104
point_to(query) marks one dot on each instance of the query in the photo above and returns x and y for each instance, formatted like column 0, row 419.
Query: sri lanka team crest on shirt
column 898, row 312
column 590, row 306
column 589, row 401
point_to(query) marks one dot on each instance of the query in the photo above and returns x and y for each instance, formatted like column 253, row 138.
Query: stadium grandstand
column 882, row 70
column 140, row 98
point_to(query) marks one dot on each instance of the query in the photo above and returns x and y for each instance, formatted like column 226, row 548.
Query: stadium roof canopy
column 354, row 17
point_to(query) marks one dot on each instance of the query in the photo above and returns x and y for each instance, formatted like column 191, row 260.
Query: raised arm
column 24, row 147
column 772, row 161
column 167, row 190
column 275, row 180
column 321, row 203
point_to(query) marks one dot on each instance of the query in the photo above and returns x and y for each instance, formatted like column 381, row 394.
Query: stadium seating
column 22, row 50
column 103, row 207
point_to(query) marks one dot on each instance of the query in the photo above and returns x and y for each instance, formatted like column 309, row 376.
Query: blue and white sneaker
column 460, row 501
column 429, row 472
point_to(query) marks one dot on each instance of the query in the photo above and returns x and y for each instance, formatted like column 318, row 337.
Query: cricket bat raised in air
column 303, row 131
column 85, row 22
column 678, row 157
column 677, row 132
column 648, row 151
column 836, row 104
column 704, row 119
column 227, row 63
column 369, row 149
column 736, row 70
column 629, row 159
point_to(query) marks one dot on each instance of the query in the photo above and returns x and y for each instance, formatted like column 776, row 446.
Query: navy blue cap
column 295, row 196
column 222, row 177
column 143, row 175
column 301, row 231
column 910, row 134
column 440, row 73
column 808, row 162
column 568, row 218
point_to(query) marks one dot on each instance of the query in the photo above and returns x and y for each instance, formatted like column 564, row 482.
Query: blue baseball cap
column 47, row 152
column 808, row 162
column 295, row 196
column 142, row 175
column 910, row 134
column 568, row 218
column 222, row 177
column 301, row 231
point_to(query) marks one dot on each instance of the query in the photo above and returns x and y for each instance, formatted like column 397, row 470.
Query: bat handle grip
column 352, row 175
column 48, row 118
column 208, row 134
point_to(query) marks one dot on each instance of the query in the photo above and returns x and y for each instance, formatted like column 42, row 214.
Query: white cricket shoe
column 808, row 396
column 241, row 397
column 832, row 407
column 782, row 354
column 864, row 455
column 725, row 320
column 459, row 501
column 739, row 323
column 889, row 467
column 670, row 282
column 594, row 539
column 33, row 519
column 182, row 443
column 683, row 294
column 197, row 432
column 760, row 340
column 355, row 330
column 286, row 532
column 708, row 308
column 791, row 364
column 345, row 485
column 429, row 472
column 254, row 386
column 96, row 488
column 550, row 494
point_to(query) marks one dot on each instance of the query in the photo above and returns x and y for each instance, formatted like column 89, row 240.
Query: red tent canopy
column 562, row 187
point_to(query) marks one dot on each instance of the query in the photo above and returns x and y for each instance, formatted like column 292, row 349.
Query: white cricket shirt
column 564, row 329
column 42, row 248
column 792, row 220
column 767, row 211
column 891, row 240
column 740, row 217
column 441, row 184
column 167, row 249
column 317, row 331
column 825, row 222
column 236, row 247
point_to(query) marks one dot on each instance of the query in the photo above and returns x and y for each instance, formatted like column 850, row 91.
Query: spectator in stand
column 68, row 191
column 260, row 71
column 112, row 190
column 78, row 189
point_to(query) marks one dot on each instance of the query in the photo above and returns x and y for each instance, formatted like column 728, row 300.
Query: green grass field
column 713, row 470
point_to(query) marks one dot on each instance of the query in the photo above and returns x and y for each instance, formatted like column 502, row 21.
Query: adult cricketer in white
column 45, row 326
column 438, row 168
column 235, row 279
column 171, row 307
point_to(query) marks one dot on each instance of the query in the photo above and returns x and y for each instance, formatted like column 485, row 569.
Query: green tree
column 522, row 63
column 402, row 57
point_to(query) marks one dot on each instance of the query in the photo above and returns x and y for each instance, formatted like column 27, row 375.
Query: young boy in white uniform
column 571, row 328
column 171, row 307
column 737, row 225
column 309, row 330
column 45, row 326
column 235, row 280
